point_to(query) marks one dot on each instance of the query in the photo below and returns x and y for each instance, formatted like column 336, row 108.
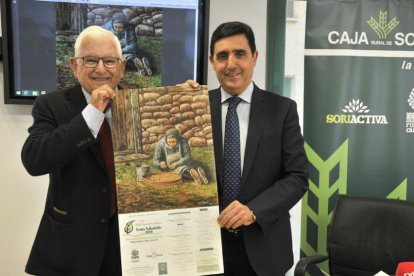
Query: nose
column 100, row 67
column 231, row 61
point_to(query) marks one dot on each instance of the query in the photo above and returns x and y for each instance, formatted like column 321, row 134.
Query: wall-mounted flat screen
column 164, row 42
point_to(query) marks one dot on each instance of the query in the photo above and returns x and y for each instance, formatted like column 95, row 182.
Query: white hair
column 97, row 33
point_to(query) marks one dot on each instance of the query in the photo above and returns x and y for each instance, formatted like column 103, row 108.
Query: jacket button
column 104, row 220
column 105, row 190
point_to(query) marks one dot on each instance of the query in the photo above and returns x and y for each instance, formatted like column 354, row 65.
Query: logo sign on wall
column 358, row 108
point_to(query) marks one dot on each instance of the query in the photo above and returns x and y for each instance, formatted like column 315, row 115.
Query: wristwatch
column 253, row 216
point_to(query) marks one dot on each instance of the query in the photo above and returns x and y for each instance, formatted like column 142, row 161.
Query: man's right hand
column 188, row 84
column 102, row 96
column 235, row 215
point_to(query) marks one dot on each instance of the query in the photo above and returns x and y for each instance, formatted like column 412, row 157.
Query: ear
column 74, row 66
column 211, row 58
column 255, row 56
column 123, row 66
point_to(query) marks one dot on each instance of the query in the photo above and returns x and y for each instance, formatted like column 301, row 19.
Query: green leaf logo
column 383, row 27
column 356, row 106
column 329, row 179
column 129, row 226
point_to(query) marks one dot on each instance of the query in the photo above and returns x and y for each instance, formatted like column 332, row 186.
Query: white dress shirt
column 93, row 117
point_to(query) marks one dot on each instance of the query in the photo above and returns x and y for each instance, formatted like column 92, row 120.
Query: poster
column 358, row 108
column 166, row 182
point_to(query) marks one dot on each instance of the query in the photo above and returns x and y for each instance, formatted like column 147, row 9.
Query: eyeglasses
column 92, row 62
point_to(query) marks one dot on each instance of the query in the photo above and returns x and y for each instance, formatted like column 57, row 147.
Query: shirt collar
column 87, row 95
column 246, row 95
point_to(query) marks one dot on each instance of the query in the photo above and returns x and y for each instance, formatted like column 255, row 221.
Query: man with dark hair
column 261, row 165
column 128, row 39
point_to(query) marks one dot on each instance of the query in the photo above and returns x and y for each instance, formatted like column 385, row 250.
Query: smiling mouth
column 101, row 78
column 231, row 74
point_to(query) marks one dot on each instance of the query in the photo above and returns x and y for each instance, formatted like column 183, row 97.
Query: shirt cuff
column 93, row 118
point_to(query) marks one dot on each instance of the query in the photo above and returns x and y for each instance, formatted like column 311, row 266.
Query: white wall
column 22, row 196
column 252, row 14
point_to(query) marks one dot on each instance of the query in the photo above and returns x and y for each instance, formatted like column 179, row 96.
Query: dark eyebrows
column 225, row 53
column 222, row 53
column 239, row 51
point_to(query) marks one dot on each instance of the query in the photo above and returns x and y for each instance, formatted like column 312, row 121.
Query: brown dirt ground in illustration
column 137, row 196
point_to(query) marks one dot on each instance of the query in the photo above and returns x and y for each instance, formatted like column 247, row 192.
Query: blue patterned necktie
column 231, row 165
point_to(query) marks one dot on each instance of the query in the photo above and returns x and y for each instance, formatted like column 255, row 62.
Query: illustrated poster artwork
column 166, row 182
column 141, row 40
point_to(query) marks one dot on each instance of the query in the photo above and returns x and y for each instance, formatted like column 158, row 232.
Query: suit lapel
column 258, row 111
column 76, row 103
column 75, row 100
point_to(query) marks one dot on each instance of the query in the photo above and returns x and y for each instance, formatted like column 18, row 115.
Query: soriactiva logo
column 381, row 26
column 356, row 113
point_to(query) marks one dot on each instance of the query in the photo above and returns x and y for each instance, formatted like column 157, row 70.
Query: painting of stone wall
column 141, row 120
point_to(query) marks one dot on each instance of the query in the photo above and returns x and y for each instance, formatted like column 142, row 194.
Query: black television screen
column 164, row 41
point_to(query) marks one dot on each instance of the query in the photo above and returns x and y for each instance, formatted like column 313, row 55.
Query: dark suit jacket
column 274, row 178
column 73, row 230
